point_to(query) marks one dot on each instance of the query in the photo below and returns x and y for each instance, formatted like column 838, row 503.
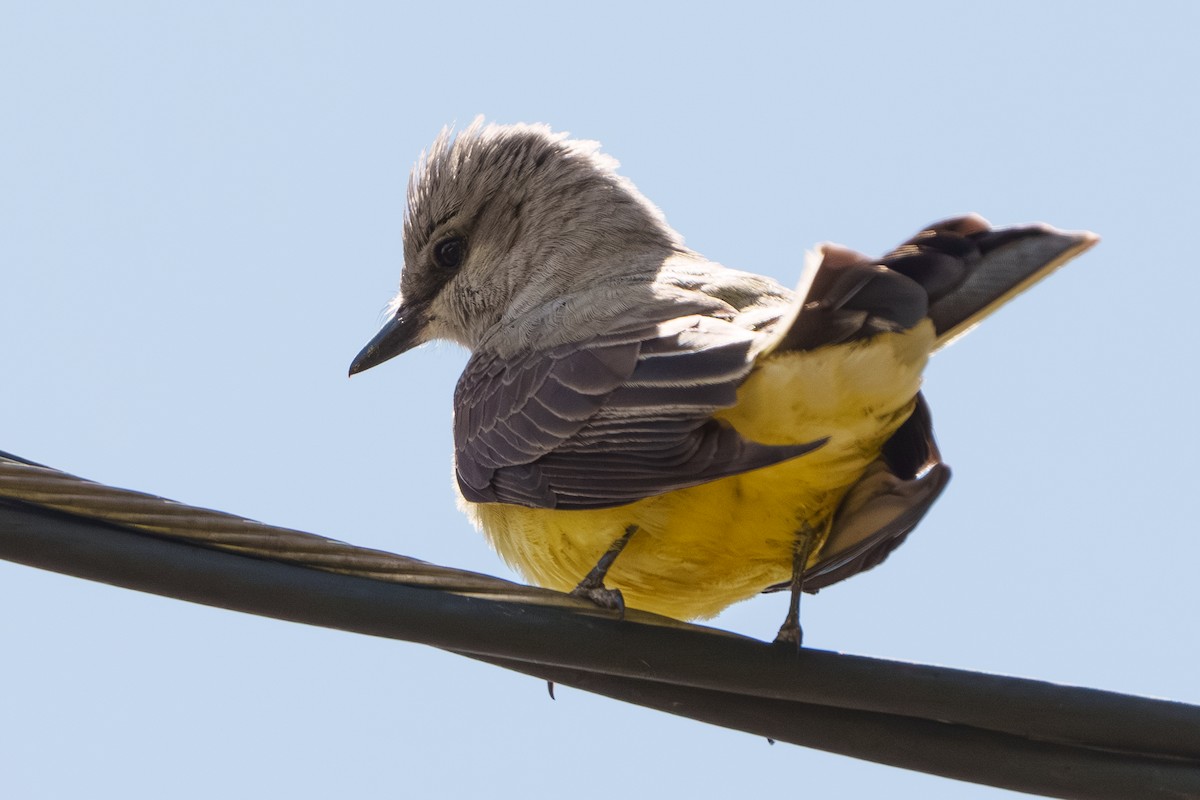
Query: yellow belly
column 701, row 549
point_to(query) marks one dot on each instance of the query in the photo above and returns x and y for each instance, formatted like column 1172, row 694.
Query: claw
column 602, row 596
column 790, row 634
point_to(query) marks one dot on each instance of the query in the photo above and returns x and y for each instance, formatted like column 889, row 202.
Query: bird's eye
column 449, row 253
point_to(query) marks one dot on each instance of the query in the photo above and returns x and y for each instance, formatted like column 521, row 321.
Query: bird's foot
column 602, row 596
column 592, row 586
column 790, row 634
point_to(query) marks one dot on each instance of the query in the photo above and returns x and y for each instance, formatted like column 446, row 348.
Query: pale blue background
column 200, row 221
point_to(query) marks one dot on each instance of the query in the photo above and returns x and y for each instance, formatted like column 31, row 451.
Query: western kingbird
column 633, row 414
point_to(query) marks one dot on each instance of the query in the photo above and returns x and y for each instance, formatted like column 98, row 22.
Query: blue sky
column 200, row 221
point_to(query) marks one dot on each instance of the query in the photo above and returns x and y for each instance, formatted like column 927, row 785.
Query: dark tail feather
column 970, row 269
column 955, row 272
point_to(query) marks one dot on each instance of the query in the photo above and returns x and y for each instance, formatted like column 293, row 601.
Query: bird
column 640, row 425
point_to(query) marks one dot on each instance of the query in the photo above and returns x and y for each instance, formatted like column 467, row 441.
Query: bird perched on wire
column 639, row 424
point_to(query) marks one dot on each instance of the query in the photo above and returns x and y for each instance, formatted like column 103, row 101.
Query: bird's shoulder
column 624, row 299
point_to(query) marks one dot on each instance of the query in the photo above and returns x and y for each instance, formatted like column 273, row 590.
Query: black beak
column 400, row 334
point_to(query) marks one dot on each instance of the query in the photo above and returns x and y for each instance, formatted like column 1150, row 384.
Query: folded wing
column 620, row 417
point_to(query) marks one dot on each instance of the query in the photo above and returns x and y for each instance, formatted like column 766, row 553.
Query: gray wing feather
column 619, row 418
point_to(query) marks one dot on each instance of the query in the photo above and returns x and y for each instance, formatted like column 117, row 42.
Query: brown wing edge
column 887, row 502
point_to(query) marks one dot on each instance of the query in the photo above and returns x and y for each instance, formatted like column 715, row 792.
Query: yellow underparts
column 701, row 549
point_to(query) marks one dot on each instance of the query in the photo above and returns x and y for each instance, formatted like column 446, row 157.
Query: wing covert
column 609, row 421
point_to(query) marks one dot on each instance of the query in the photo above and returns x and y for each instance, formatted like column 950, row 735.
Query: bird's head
column 502, row 219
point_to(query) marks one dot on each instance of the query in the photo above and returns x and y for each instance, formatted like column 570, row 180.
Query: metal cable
column 934, row 719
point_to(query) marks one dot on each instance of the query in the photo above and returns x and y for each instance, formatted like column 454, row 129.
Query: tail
column 954, row 272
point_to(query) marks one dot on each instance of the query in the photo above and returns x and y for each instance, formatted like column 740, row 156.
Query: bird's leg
column 592, row 586
column 790, row 632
